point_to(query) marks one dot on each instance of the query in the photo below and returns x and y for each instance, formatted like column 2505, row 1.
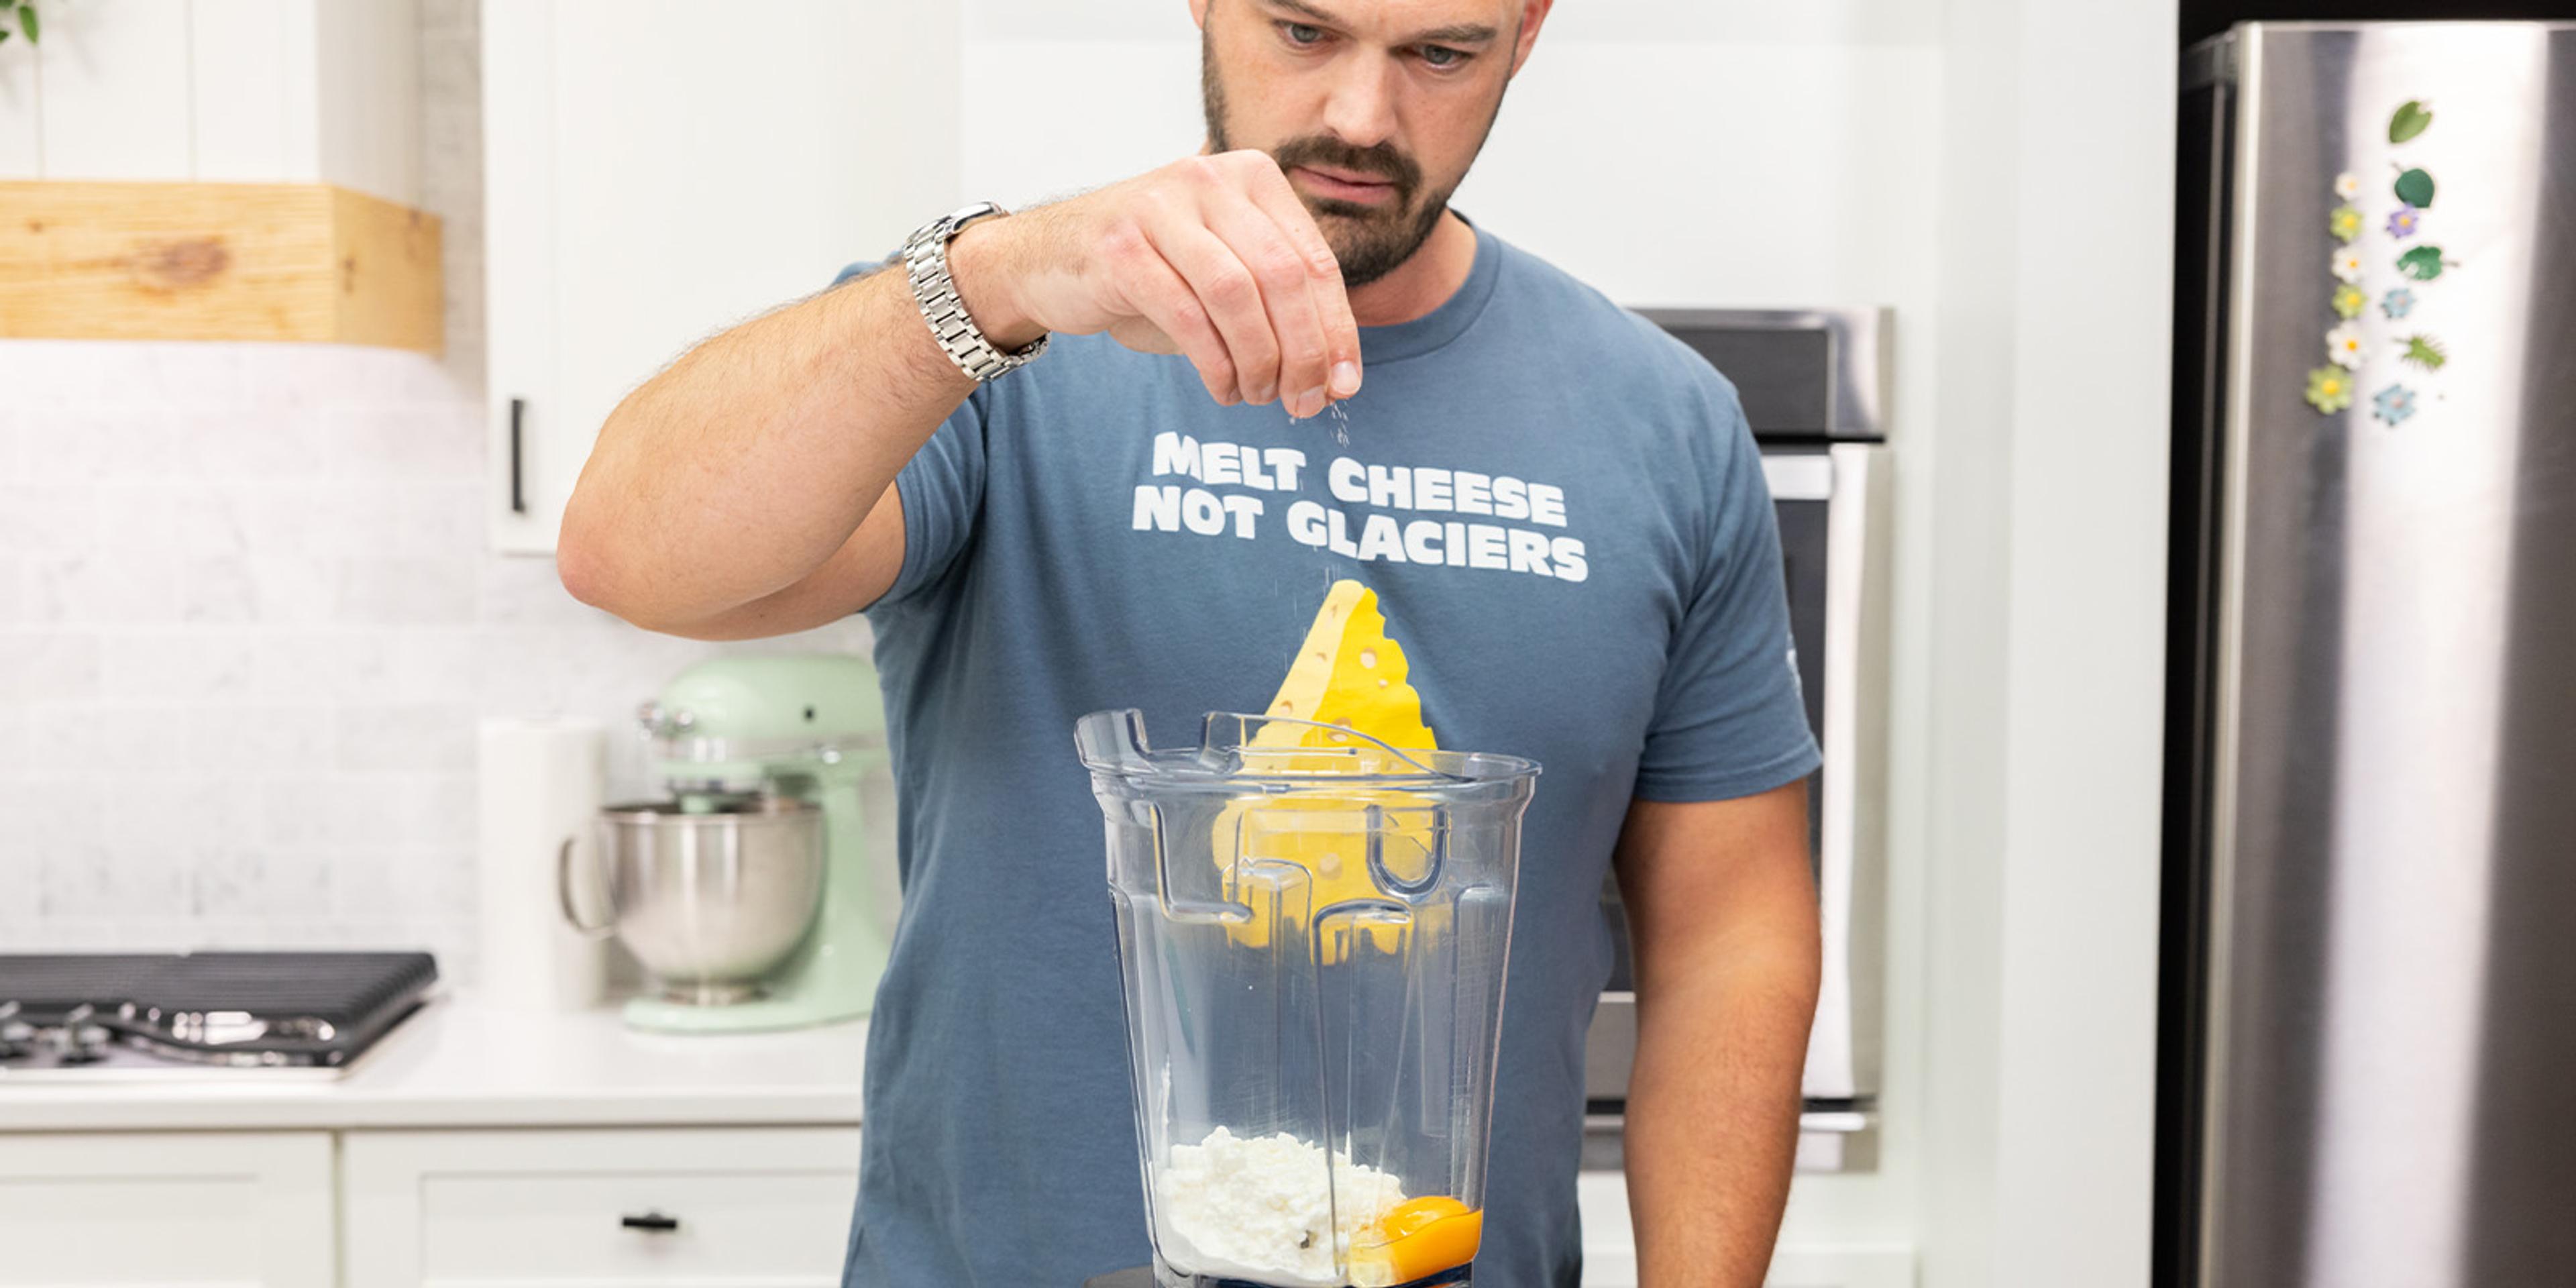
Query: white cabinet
column 1610, row 1249
column 175, row 1210
column 709, row 1206
column 655, row 173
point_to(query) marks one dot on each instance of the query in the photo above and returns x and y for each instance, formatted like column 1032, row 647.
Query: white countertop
column 455, row 1064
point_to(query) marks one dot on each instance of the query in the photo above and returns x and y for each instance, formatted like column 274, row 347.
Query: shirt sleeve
column 941, row 487
column 1729, row 720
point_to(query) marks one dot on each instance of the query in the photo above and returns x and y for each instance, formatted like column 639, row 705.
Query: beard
column 1370, row 241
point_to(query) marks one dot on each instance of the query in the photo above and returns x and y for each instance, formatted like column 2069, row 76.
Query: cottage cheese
column 1260, row 1208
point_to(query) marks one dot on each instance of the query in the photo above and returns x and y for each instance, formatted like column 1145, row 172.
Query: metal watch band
column 925, row 261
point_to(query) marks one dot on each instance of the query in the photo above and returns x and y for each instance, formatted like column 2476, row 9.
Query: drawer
column 698, row 1206
column 198, row 1209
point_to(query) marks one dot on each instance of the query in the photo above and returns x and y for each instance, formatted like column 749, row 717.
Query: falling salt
column 1341, row 419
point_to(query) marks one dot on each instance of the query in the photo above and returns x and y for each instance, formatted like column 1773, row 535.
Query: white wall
column 2047, row 638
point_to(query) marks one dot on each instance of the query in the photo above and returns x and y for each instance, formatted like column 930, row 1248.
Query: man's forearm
column 748, row 462
column 1713, row 1100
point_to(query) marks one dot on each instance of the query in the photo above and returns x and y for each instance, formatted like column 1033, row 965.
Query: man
column 1559, row 506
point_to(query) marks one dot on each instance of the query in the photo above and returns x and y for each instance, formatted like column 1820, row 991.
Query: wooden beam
column 217, row 261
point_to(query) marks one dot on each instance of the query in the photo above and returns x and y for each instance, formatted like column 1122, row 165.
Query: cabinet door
column 712, row 1206
column 178, row 1210
column 657, row 170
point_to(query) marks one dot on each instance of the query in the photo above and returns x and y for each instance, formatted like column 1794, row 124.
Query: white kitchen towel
column 540, row 787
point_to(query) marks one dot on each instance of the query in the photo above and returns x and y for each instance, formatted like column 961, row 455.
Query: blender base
column 1143, row 1277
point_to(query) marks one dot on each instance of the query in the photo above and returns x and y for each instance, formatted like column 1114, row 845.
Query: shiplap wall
column 256, row 90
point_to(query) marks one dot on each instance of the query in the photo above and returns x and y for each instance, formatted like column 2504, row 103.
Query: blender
column 746, row 895
column 1312, row 932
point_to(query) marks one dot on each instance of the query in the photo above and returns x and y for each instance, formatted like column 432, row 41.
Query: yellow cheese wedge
column 1350, row 674
column 1346, row 674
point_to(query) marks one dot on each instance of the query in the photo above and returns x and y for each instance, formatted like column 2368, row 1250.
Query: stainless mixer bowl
column 710, row 901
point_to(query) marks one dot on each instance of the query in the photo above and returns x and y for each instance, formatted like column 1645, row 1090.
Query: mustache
column 1379, row 159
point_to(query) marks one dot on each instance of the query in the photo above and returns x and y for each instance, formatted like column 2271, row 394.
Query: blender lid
column 1114, row 743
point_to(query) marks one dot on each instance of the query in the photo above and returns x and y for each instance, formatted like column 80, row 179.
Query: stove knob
column 78, row 1043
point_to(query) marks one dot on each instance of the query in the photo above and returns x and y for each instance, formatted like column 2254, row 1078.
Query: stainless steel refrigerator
column 2370, row 1009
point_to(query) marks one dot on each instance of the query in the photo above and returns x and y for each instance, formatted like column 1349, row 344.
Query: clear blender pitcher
column 1312, row 939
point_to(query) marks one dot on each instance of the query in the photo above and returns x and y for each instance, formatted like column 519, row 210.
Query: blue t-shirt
column 1562, row 512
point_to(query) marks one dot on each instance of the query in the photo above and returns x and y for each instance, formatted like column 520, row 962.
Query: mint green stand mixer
column 747, row 895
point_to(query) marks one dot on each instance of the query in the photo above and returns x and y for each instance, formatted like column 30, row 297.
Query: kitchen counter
column 455, row 1064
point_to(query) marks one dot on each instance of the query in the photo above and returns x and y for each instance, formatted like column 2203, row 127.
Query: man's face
column 1374, row 108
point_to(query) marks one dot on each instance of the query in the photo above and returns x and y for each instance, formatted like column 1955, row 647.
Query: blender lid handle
column 563, row 895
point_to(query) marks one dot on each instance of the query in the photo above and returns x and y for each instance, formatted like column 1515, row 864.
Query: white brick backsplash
column 239, row 881
column 175, row 664
column 434, row 884
column 46, row 520
column 436, row 811
column 135, row 520
column 177, row 374
column 101, row 744
column 125, row 586
column 424, row 737
column 258, row 442
column 524, row 589
column 439, row 517
column 234, row 743
column 88, row 445
column 405, row 590
column 438, row 441
column 57, row 666
column 433, row 662
column 288, row 377
column 44, row 374
column 93, row 881
column 331, row 813
column 189, row 817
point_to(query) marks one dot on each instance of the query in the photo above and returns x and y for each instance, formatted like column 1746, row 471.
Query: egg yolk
column 1421, row 1237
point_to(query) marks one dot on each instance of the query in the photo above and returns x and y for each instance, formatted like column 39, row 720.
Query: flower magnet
column 2344, row 345
column 2330, row 389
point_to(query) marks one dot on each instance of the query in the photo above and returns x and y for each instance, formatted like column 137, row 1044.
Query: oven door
column 1833, row 514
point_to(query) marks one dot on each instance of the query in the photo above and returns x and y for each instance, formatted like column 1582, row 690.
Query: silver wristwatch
column 925, row 261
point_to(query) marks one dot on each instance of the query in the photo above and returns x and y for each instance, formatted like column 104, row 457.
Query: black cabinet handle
column 650, row 1221
column 518, row 493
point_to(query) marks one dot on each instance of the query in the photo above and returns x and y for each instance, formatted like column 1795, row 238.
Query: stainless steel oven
column 1814, row 385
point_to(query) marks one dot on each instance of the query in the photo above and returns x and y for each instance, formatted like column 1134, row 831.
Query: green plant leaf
column 2426, row 352
column 2411, row 120
column 2415, row 188
column 2424, row 263
column 27, row 23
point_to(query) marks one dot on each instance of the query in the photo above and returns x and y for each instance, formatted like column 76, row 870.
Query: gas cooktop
column 306, row 1014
